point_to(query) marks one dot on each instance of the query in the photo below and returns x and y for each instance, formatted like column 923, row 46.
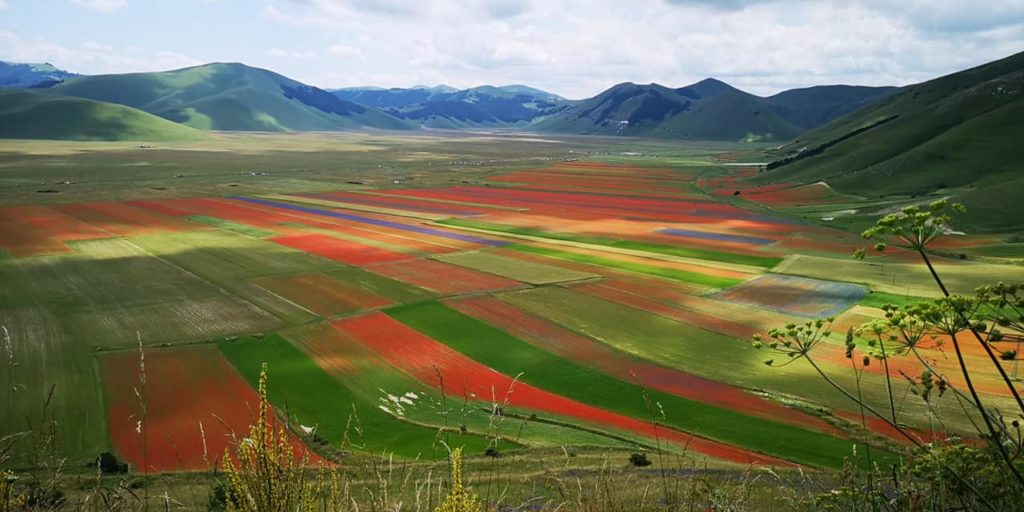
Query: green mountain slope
column 709, row 109
column 814, row 106
column 444, row 107
column 33, row 115
column 957, row 135
column 231, row 97
column 18, row 75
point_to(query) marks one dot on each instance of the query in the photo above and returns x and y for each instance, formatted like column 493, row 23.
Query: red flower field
column 195, row 401
column 425, row 358
column 337, row 249
column 574, row 347
column 36, row 229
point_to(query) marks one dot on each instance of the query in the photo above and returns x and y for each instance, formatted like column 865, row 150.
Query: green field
column 633, row 245
column 313, row 397
column 902, row 278
column 702, row 352
column 226, row 279
column 638, row 268
column 375, row 382
column 509, row 355
column 524, row 271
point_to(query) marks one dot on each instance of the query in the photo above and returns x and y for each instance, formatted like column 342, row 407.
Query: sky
column 575, row 48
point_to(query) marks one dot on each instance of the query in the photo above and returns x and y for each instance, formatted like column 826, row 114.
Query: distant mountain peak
column 708, row 87
column 16, row 75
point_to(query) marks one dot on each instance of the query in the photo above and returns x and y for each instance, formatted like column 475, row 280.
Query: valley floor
column 409, row 293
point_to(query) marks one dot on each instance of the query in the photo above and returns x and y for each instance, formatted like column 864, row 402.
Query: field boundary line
column 212, row 283
column 737, row 267
column 441, row 201
column 326, row 203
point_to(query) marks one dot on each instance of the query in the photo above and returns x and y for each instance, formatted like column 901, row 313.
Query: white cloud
column 580, row 47
column 91, row 57
column 101, row 5
column 3, row 4
column 346, row 51
column 285, row 54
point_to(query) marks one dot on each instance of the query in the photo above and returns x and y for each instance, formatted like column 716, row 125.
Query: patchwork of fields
column 580, row 303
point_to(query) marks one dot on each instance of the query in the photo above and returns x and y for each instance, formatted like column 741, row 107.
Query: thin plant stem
column 988, row 350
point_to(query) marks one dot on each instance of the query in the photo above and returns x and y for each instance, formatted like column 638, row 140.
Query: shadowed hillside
column 955, row 135
column 709, row 110
column 231, row 97
column 33, row 115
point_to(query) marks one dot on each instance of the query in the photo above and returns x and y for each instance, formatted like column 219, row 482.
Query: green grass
column 639, row 268
column 510, row 355
column 956, row 135
column 33, row 115
column 670, row 250
column 107, row 292
column 223, row 96
column 903, row 278
column 879, row 299
column 232, row 226
column 49, row 356
column 709, row 354
column 380, row 285
column 303, row 389
column 373, row 379
column 221, row 255
column 523, row 271
column 1013, row 250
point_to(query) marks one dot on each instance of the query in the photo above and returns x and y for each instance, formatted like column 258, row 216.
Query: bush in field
column 639, row 459
column 939, row 476
column 109, row 464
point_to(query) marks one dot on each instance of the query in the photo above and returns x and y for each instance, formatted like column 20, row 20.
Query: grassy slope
column 958, row 134
column 224, row 97
column 307, row 392
column 723, row 113
column 32, row 115
column 509, row 355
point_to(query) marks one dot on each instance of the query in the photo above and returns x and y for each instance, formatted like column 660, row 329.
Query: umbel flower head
column 913, row 227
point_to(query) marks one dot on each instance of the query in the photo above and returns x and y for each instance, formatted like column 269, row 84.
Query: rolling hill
column 14, row 75
column 956, row 135
column 445, row 107
column 231, row 97
column 28, row 114
column 381, row 98
column 709, row 109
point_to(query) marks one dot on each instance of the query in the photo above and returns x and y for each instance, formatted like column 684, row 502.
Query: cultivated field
column 414, row 292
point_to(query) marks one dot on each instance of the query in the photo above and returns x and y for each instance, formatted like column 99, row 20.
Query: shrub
column 109, row 464
column 639, row 459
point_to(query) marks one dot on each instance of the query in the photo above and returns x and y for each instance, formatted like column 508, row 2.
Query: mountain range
column 443, row 107
column 230, row 97
column 17, row 76
column 961, row 131
column 446, row 107
column 236, row 97
column 709, row 110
